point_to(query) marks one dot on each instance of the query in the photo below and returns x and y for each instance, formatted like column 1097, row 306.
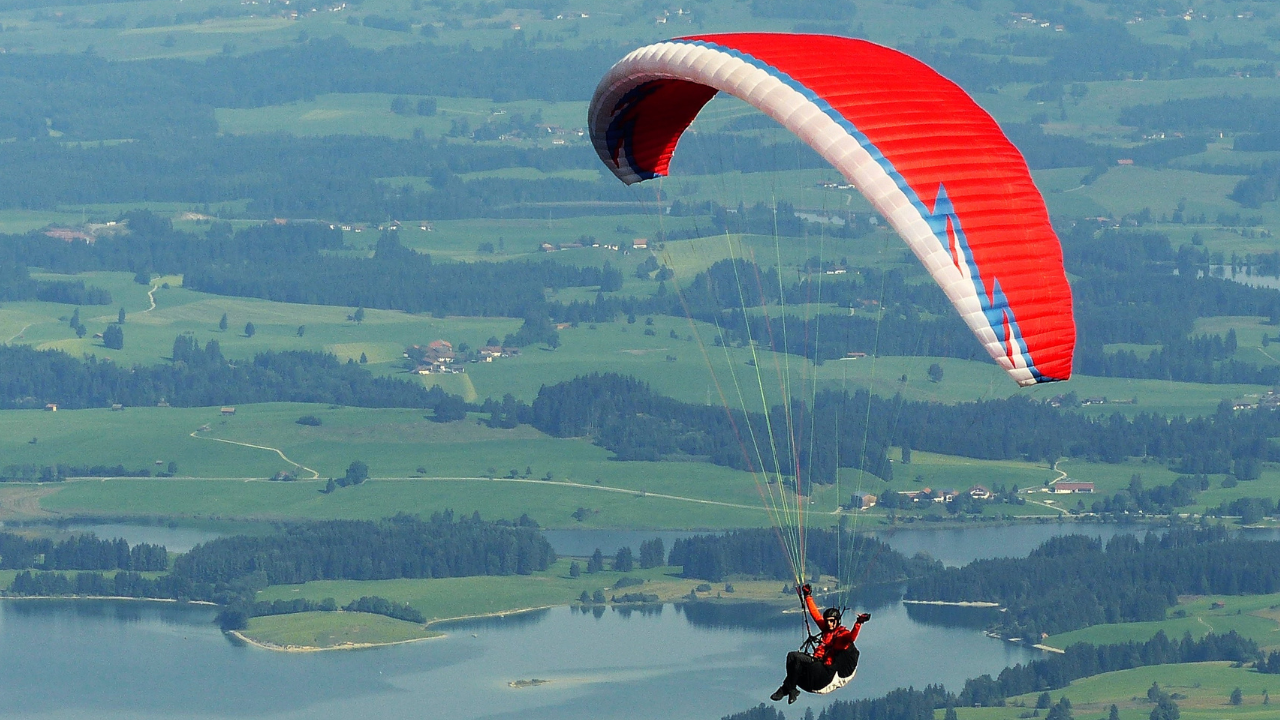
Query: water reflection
column 759, row 616
column 951, row 616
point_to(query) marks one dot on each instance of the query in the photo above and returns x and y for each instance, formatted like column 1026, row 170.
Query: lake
column 122, row 659
column 118, row 659
column 952, row 545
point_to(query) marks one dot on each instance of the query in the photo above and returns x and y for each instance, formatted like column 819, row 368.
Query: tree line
column 16, row 284
column 199, row 377
column 404, row 546
column 759, row 554
column 236, row 617
column 332, row 177
column 1250, row 510
column 293, row 263
column 29, row 472
column 1085, row 659
column 627, row 417
column 79, row 552
column 231, row 570
column 1073, row 581
column 401, row 279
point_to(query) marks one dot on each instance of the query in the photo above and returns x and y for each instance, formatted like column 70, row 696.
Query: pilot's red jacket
column 834, row 640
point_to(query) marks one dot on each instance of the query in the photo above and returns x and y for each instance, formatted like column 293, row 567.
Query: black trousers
column 810, row 674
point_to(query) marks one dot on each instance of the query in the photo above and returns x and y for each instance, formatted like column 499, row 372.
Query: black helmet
column 831, row 615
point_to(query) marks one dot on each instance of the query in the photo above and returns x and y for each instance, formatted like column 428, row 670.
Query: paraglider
column 833, row 660
column 927, row 157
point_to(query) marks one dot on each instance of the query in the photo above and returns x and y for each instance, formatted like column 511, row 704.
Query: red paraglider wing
column 925, row 155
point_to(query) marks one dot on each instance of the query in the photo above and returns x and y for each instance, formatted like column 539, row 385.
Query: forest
column 624, row 415
column 336, row 178
column 199, row 377
column 230, row 570
column 79, row 552
column 1072, row 581
column 289, row 263
column 758, row 553
column 400, row 547
column 16, row 284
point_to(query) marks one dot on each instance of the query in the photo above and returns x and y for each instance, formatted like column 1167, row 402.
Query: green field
column 421, row 466
column 370, row 114
column 1254, row 616
column 448, row 598
column 329, row 630
column 1203, row 690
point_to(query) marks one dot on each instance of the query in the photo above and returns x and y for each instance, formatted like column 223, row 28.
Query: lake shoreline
column 205, row 603
column 274, row 647
column 438, row 634
column 960, row 603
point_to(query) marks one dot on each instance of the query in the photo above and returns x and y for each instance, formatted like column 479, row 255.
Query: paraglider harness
column 843, row 665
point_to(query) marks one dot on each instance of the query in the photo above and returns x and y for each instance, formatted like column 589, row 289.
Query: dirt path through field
column 314, row 474
column 22, row 502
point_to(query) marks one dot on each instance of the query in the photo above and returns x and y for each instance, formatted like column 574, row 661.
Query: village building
column 1066, row 488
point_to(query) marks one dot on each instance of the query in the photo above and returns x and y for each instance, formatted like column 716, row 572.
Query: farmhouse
column 436, row 357
column 977, row 492
column 1066, row 488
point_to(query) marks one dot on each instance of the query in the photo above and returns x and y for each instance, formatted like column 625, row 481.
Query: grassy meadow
column 449, row 598
column 1202, row 689
column 1256, row 617
column 327, row 630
